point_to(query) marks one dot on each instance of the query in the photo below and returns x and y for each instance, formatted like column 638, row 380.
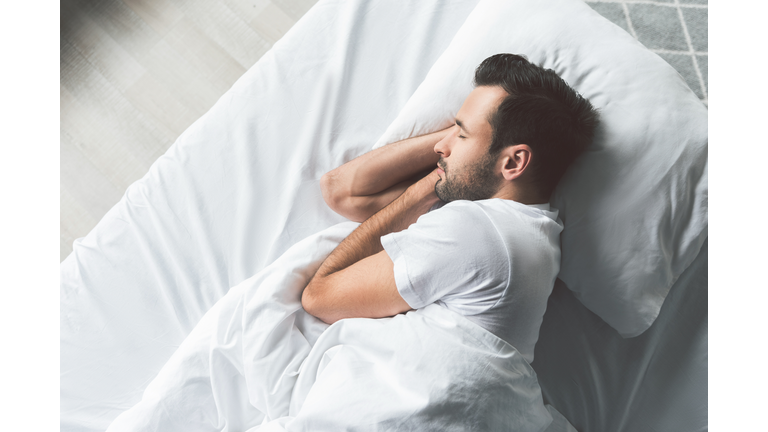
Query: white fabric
column 237, row 189
column 240, row 187
column 255, row 362
column 493, row 261
column 635, row 205
column 654, row 382
column 559, row 422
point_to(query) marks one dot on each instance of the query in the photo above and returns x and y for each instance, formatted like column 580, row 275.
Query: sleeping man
column 477, row 270
column 492, row 252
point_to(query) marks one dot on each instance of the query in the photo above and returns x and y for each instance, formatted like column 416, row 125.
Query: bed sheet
column 657, row 381
column 236, row 189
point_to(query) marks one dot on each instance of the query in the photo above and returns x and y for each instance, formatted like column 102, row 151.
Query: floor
column 676, row 30
column 136, row 73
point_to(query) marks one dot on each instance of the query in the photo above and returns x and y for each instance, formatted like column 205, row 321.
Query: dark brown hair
column 542, row 111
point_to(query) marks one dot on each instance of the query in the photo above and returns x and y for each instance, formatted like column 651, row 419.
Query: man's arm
column 357, row 279
column 363, row 186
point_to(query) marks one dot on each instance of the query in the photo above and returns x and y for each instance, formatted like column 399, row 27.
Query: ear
column 515, row 160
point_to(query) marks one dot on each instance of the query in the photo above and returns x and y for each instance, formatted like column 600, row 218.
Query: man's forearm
column 397, row 216
column 364, row 185
column 357, row 279
column 388, row 165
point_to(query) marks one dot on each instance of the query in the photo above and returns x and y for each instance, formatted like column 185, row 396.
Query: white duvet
column 258, row 362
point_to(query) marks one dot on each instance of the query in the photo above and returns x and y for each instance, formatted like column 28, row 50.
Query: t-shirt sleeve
column 453, row 254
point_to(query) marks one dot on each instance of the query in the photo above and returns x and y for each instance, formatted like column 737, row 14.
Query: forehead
column 479, row 104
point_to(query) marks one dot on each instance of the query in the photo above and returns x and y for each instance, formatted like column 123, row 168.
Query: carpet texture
column 676, row 30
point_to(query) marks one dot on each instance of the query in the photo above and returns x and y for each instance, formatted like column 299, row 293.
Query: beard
column 473, row 182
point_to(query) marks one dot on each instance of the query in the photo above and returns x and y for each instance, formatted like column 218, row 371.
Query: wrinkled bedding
column 257, row 361
column 148, row 293
column 237, row 189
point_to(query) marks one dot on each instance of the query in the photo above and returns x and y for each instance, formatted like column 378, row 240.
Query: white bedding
column 236, row 190
column 257, row 361
column 241, row 186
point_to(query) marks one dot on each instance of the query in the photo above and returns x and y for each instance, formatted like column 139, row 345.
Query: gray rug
column 676, row 30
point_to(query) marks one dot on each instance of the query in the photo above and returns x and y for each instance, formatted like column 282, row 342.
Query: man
column 492, row 252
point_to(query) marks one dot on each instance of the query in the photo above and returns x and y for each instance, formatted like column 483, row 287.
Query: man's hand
column 357, row 279
column 363, row 186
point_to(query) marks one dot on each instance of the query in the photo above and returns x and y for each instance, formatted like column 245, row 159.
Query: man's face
column 468, row 171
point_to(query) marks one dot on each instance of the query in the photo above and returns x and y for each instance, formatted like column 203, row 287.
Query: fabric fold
column 248, row 366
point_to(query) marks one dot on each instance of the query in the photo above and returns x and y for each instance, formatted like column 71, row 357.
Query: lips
column 441, row 166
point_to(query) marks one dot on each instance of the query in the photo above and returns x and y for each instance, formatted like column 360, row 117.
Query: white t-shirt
column 493, row 261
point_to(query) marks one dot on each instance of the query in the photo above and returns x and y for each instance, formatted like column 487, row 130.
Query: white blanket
column 236, row 190
column 258, row 362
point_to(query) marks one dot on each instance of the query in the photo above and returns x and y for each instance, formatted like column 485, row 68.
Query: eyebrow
column 461, row 125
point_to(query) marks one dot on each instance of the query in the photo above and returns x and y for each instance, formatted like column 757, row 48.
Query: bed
column 623, row 344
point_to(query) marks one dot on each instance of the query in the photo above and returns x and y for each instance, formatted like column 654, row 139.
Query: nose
column 443, row 147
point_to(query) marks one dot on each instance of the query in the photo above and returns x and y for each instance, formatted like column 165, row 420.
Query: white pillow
column 635, row 204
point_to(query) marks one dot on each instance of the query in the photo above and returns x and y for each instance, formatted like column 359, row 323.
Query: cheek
column 461, row 156
column 467, row 156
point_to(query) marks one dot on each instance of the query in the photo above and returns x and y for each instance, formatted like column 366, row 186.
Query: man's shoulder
column 459, row 211
column 492, row 206
column 461, row 221
column 494, row 212
column 509, row 219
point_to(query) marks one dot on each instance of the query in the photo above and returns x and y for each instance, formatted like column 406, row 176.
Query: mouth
column 441, row 166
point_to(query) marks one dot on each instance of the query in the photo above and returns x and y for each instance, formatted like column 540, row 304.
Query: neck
column 519, row 193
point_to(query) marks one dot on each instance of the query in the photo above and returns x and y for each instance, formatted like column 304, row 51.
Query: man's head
column 515, row 134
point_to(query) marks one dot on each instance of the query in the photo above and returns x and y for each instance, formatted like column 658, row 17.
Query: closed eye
column 458, row 123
